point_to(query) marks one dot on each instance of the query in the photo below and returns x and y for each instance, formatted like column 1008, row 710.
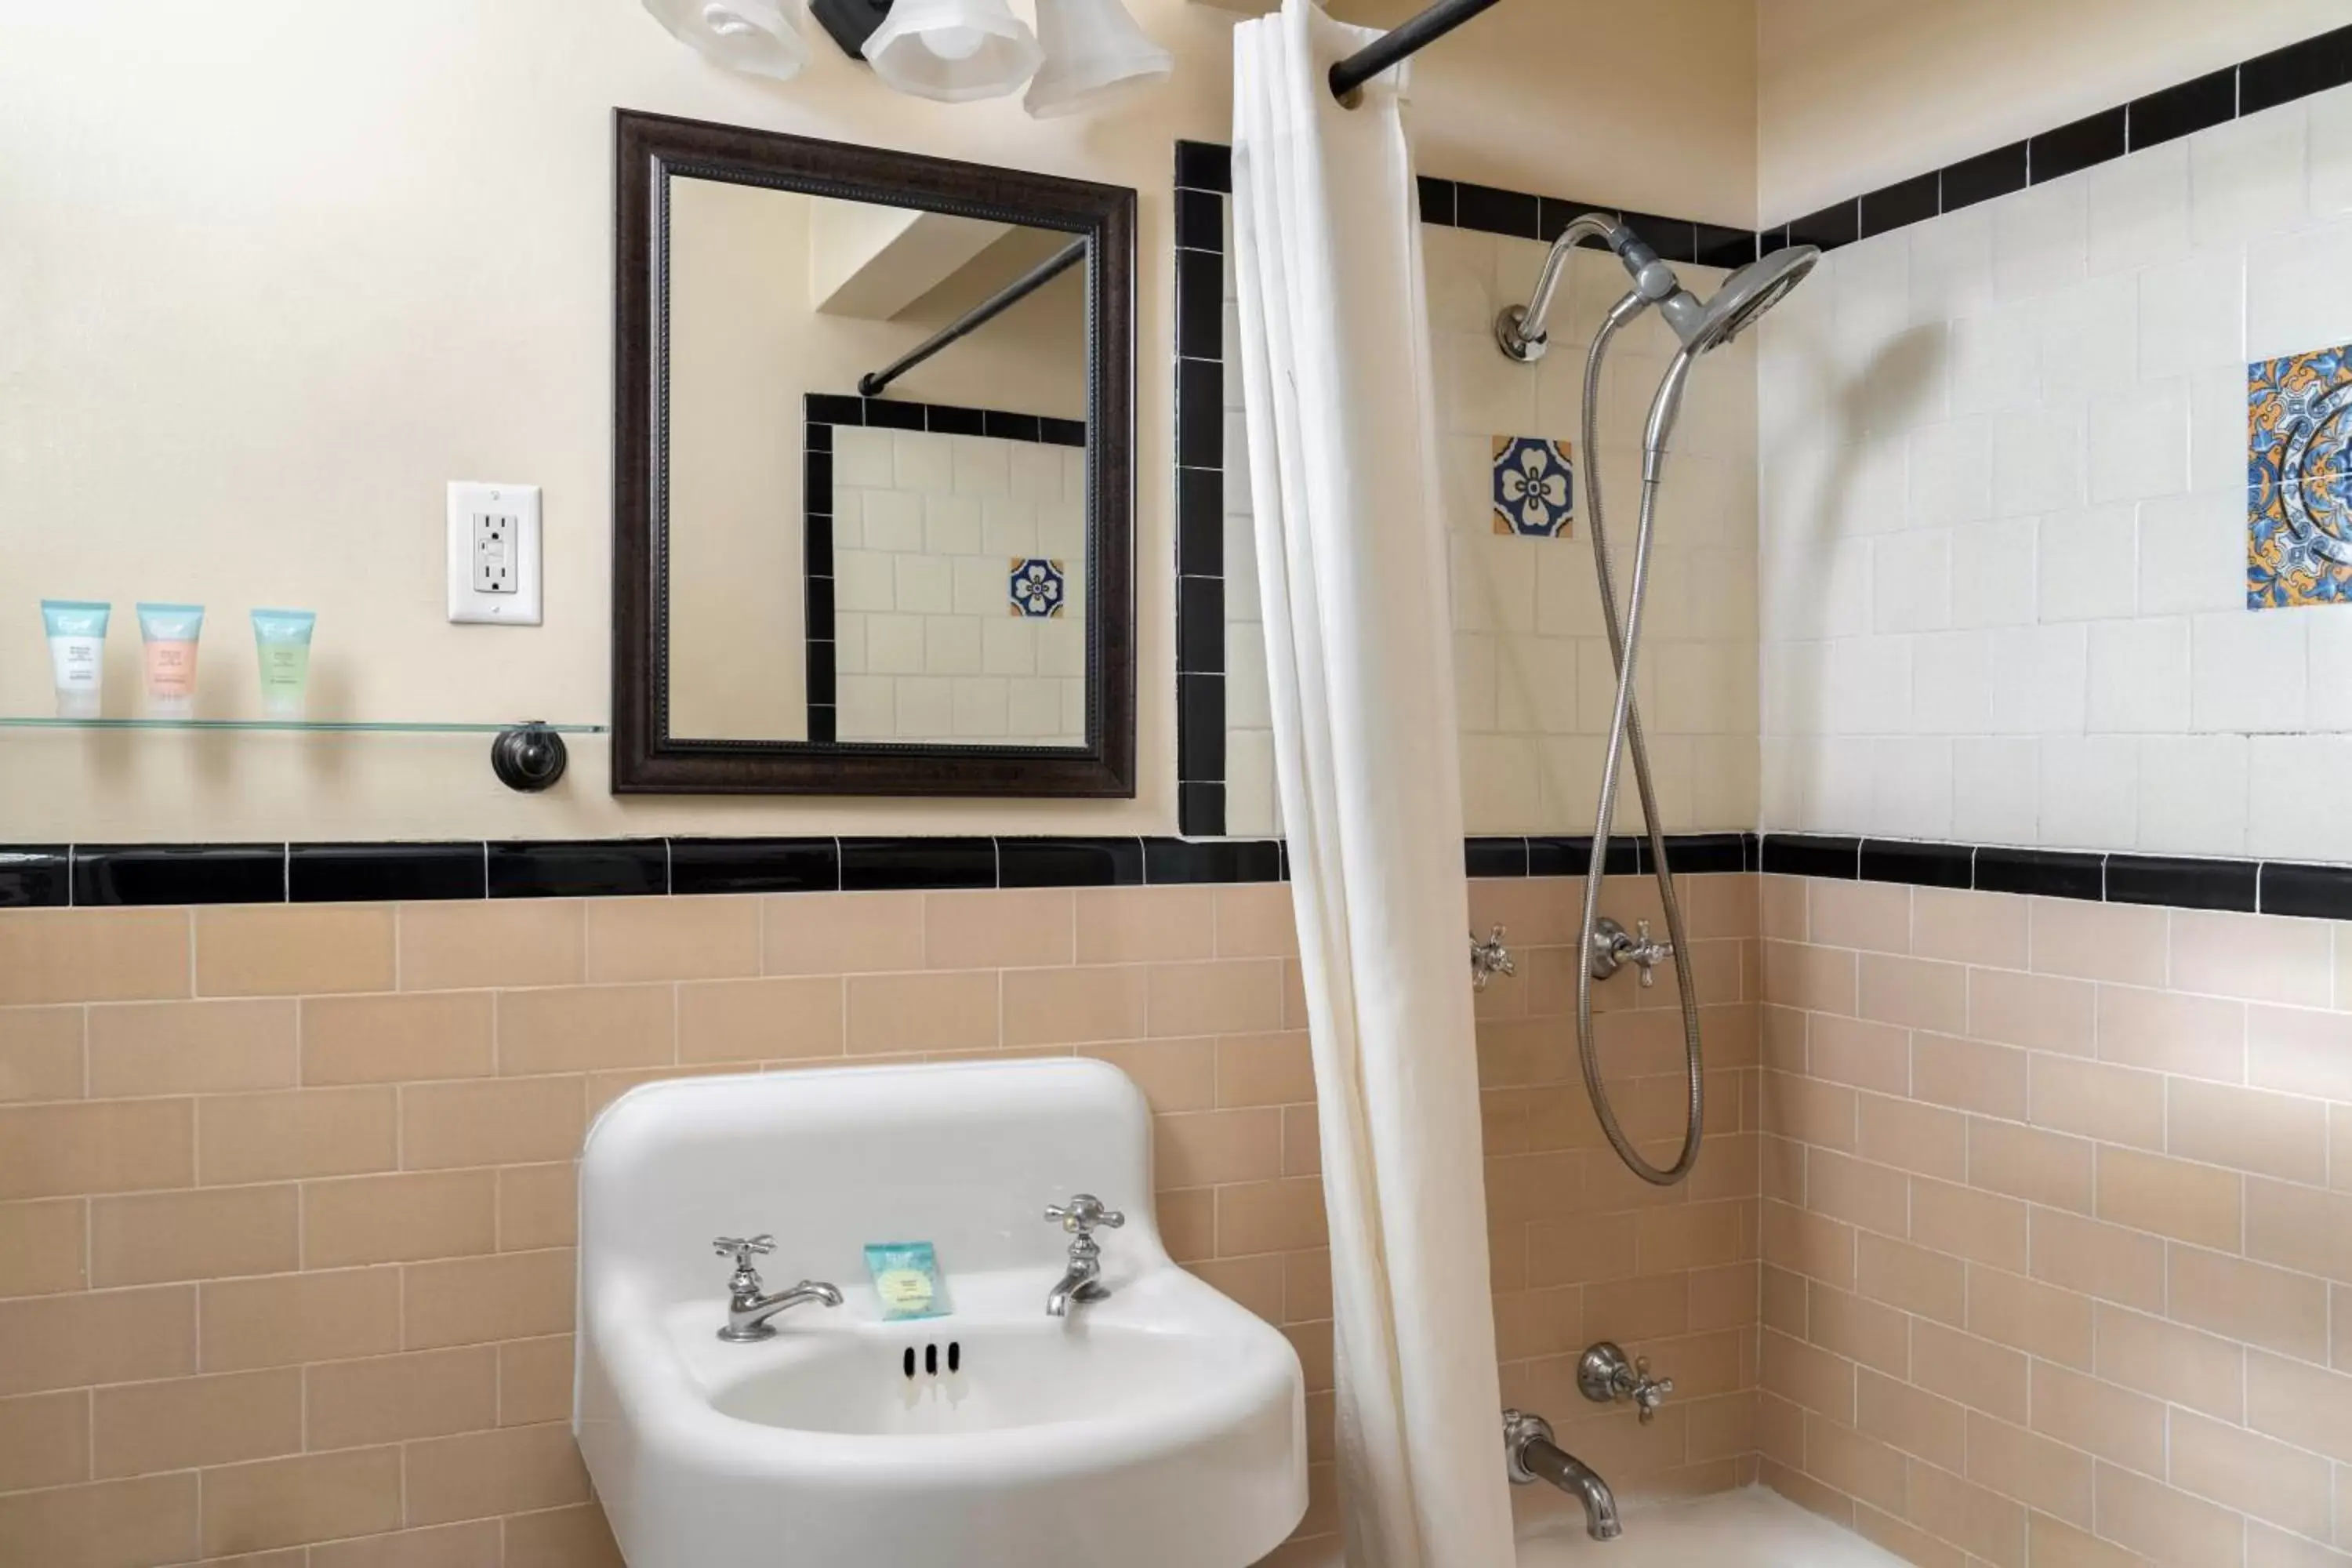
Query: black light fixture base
column 528, row 758
column 851, row 22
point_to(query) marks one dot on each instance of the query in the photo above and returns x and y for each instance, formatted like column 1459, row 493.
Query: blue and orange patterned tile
column 2299, row 544
column 2299, row 480
column 1535, row 486
column 1035, row 592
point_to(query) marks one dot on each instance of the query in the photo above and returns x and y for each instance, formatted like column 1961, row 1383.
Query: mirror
column 873, row 491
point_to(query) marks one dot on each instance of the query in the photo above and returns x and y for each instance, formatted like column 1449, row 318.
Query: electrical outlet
column 494, row 554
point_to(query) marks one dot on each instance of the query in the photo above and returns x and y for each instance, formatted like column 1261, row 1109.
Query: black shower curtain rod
column 978, row 316
column 1409, row 38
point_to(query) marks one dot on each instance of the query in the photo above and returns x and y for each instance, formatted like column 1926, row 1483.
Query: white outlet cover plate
column 520, row 608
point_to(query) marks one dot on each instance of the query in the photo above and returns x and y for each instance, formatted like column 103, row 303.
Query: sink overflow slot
column 931, row 1358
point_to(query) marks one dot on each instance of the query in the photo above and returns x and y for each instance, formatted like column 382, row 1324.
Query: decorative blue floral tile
column 1037, row 589
column 1535, row 486
column 2299, row 480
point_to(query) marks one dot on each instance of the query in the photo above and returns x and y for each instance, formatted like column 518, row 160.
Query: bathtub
column 1751, row 1528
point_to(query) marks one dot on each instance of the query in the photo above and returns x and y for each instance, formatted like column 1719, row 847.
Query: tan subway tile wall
column 2057, row 1228
column 287, row 1197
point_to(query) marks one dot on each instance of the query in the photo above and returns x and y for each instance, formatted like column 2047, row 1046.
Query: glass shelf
column 324, row 726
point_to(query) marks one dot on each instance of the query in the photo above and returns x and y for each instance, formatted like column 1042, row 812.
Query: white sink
column 1162, row 1427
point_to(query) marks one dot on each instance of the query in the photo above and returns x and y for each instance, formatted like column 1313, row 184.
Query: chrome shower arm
column 1523, row 331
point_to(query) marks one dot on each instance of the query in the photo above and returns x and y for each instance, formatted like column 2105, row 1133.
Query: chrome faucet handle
column 743, row 1248
column 1648, row 953
column 1488, row 959
column 1083, row 1213
column 744, row 1283
column 1606, row 1375
column 1648, row 1392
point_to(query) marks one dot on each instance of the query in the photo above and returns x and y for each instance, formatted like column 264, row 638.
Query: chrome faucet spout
column 748, row 1311
column 1532, row 1455
column 1081, row 1284
column 1082, row 1281
column 747, row 1316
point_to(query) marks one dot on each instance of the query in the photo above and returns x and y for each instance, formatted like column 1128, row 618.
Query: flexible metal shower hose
column 1625, row 735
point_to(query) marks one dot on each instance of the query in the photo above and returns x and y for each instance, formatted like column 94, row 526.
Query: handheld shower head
column 1745, row 295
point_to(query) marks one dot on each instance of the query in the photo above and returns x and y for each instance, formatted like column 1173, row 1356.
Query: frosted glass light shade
column 953, row 50
column 753, row 37
column 1093, row 52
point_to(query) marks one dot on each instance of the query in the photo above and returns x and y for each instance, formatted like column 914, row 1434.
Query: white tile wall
column 2001, row 590
column 925, row 530
column 1531, row 663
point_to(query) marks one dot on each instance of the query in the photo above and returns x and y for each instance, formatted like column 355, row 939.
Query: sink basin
column 1162, row 1427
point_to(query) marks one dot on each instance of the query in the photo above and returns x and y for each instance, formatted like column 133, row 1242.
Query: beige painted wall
column 1856, row 94
column 272, row 281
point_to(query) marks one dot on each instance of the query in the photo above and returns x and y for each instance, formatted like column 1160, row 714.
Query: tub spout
column 1533, row 1455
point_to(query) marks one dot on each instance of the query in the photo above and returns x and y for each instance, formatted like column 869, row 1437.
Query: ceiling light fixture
column 953, row 50
column 1093, row 52
column 753, row 37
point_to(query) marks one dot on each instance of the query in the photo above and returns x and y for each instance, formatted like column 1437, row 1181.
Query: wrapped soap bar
column 907, row 1278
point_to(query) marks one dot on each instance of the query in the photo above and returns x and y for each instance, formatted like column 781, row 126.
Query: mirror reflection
column 876, row 528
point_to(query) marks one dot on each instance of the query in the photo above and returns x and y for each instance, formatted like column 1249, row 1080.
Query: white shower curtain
column 1351, row 562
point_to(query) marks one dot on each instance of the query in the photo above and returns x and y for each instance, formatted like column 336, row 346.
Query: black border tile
column 1811, row 855
column 1704, row 854
column 2046, row 873
column 895, row 865
column 385, row 873
column 830, row 408
column 1571, row 855
column 2078, row 145
column 1904, row 203
column 1200, row 725
column 1168, row 861
column 1003, row 426
column 1838, row 224
column 1069, row 862
column 885, row 414
column 1200, row 809
column 1053, row 432
column 1513, row 214
column 1999, row 172
column 2183, row 110
column 1921, row 865
column 1200, row 523
column 35, row 877
column 950, row 419
column 1200, row 221
column 579, row 869
column 1201, row 625
column 117, row 874
column 2298, row 71
column 2320, row 892
column 1495, row 856
column 1199, row 305
column 1728, row 248
column 699, row 866
column 1434, row 200
column 2181, row 883
column 1205, row 166
column 1200, row 412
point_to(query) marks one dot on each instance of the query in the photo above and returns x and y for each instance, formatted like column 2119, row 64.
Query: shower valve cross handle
column 1488, row 959
column 1612, row 945
column 1605, row 1375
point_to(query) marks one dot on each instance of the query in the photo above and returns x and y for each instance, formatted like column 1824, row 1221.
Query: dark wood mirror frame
column 646, row 759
